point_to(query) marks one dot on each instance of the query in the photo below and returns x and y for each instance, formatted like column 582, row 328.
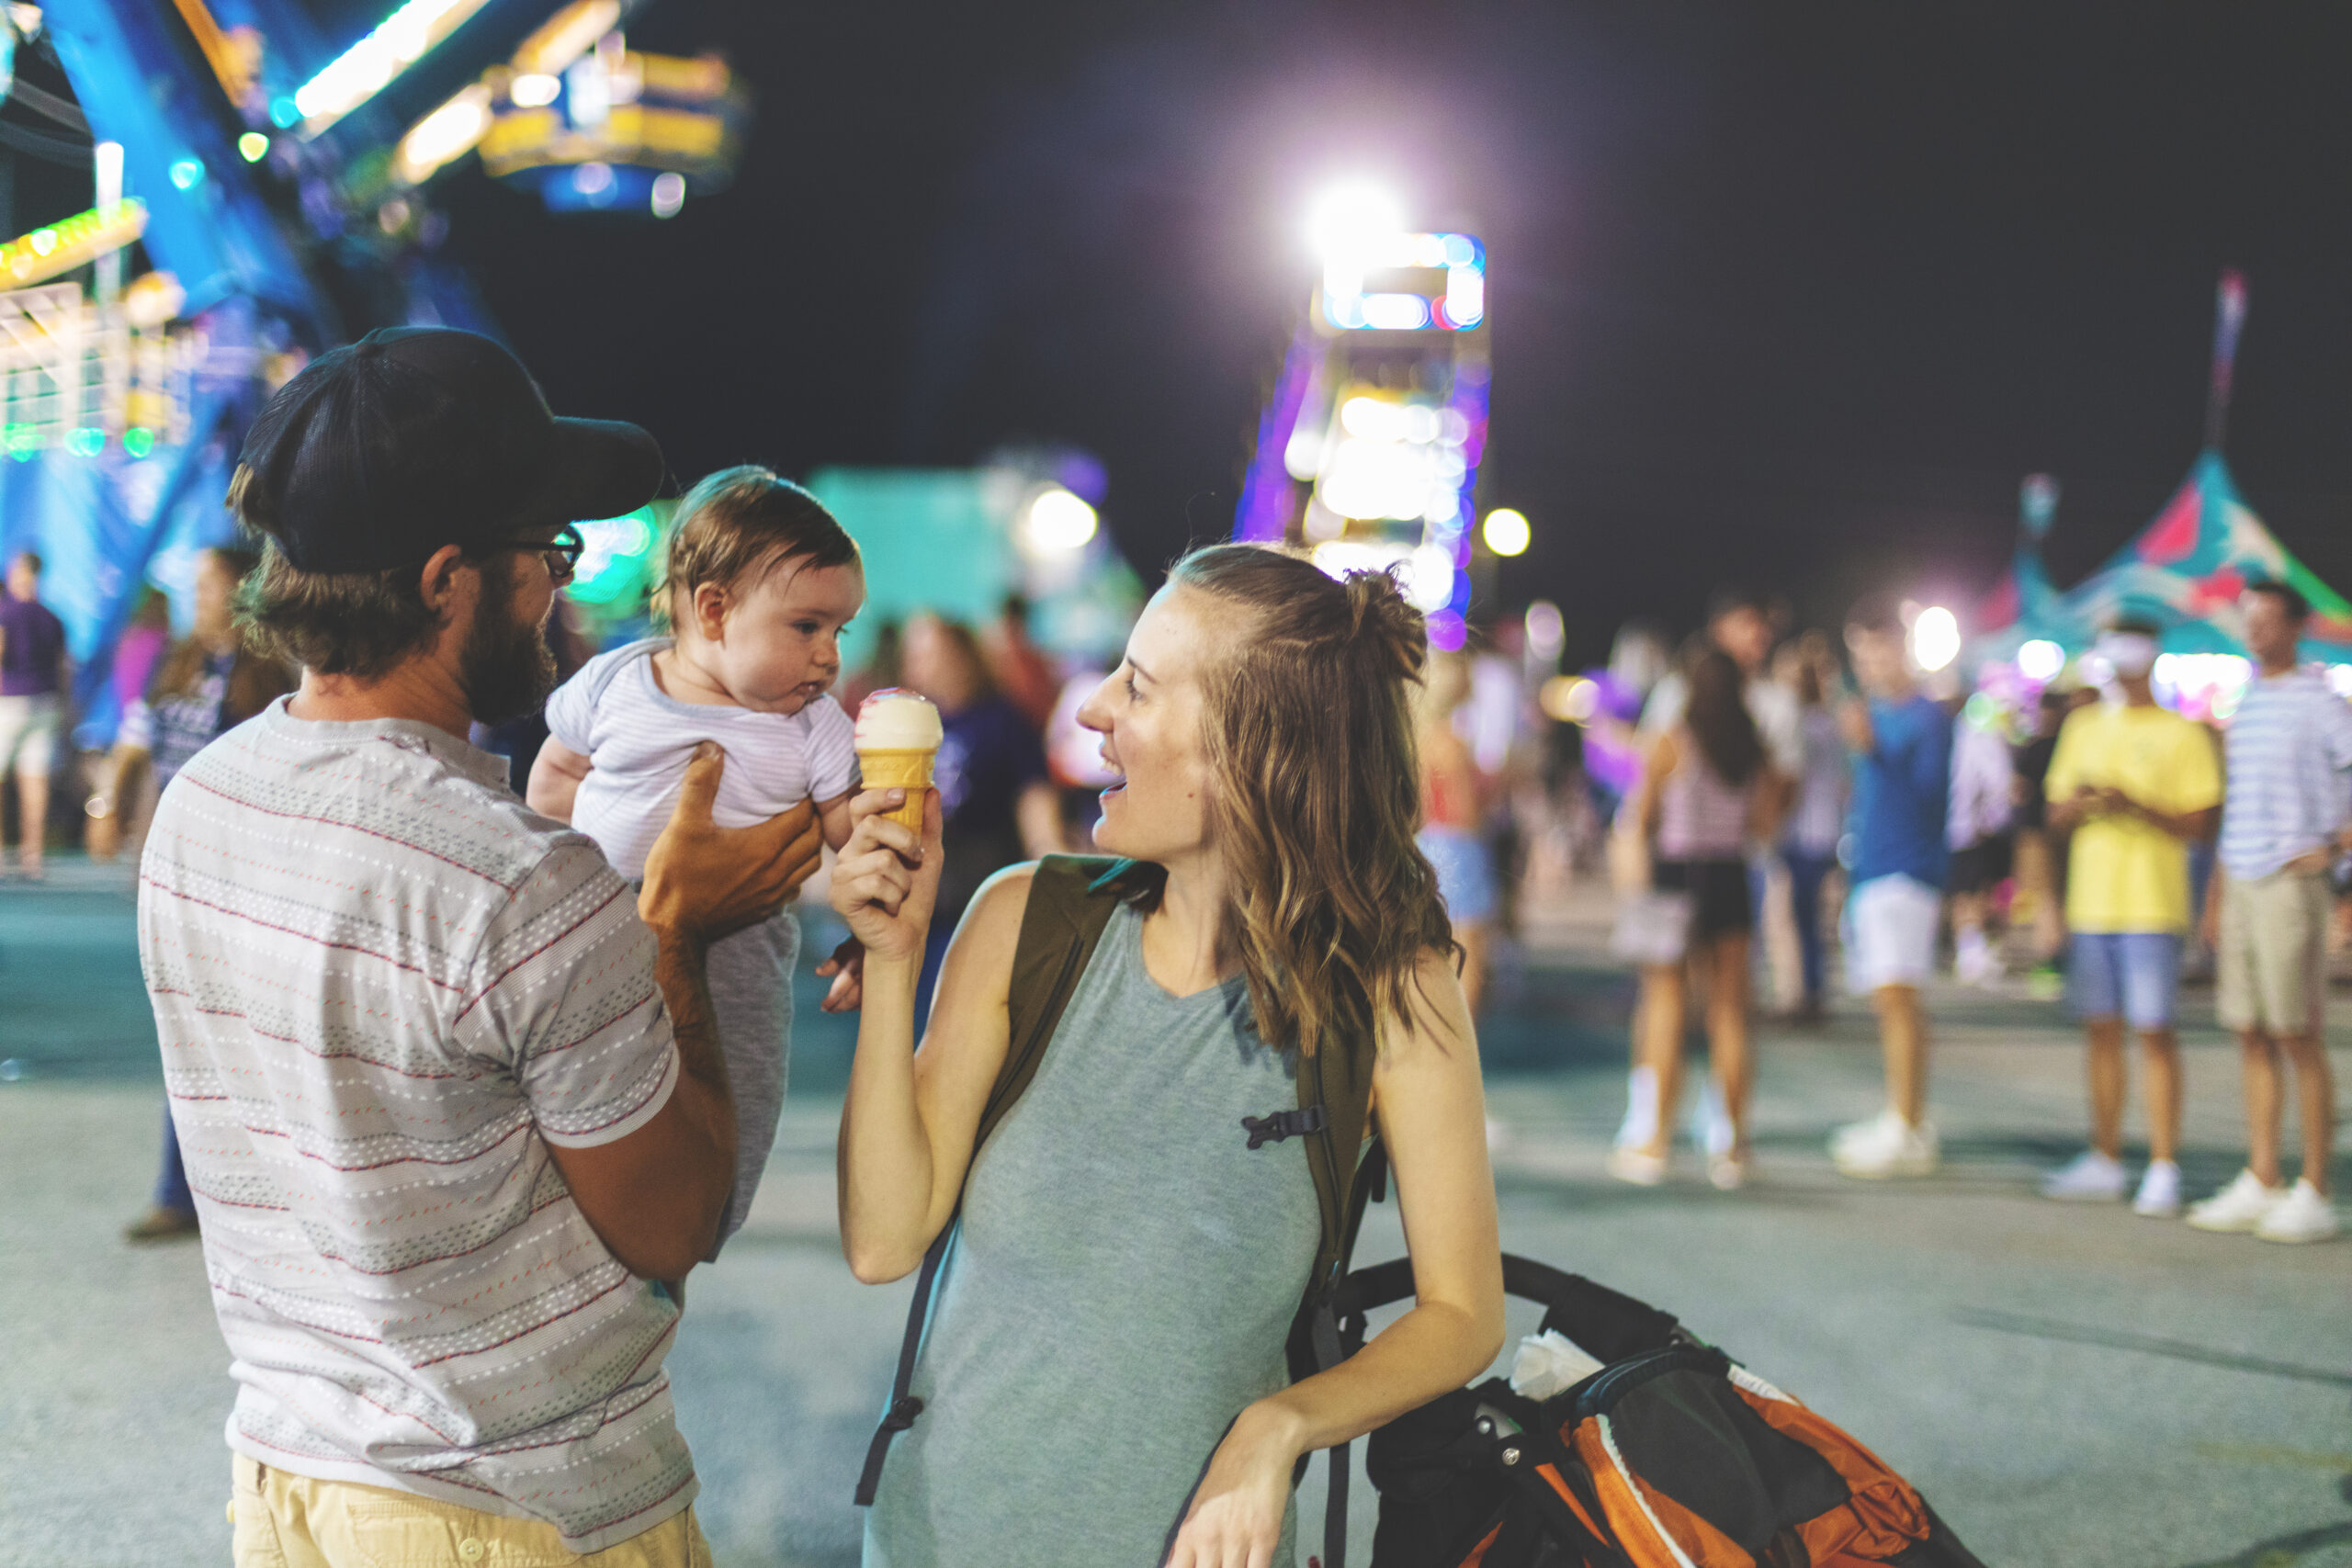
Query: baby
column 760, row 579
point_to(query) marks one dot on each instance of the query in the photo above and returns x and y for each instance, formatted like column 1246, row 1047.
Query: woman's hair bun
column 1382, row 620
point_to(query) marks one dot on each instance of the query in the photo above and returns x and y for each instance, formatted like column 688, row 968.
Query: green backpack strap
column 1070, row 901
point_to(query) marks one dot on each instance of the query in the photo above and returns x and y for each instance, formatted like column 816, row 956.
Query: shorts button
column 471, row 1549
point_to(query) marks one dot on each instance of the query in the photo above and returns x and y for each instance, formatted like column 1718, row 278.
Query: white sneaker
column 1886, row 1145
column 1639, row 1129
column 2240, row 1206
column 2159, row 1195
column 1727, row 1172
column 1710, row 1126
column 1639, row 1168
column 2303, row 1214
column 2090, row 1177
column 1973, row 963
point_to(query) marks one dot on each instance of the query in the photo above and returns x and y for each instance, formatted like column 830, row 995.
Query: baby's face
column 777, row 647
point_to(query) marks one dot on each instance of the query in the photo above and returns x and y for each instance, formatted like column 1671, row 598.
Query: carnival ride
column 1368, row 451
column 275, row 186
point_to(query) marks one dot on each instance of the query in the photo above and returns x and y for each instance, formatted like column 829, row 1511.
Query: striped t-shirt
column 383, row 987
column 2288, row 745
column 638, row 739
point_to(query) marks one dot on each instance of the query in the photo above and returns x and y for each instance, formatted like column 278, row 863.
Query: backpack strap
column 1070, row 901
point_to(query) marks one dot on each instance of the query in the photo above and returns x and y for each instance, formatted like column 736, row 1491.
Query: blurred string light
column 253, row 146
column 186, row 174
column 1506, row 531
column 1547, row 630
column 1447, row 630
column 1935, row 638
column 533, row 80
column 2041, row 660
column 616, row 563
column 368, row 67
column 1425, row 572
column 535, row 90
column 1057, row 519
column 61, row 247
column 1350, row 305
column 448, row 132
column 669, row 193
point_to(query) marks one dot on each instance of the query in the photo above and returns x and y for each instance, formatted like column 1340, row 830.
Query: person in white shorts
column 1902, row 746
column 2284, row 821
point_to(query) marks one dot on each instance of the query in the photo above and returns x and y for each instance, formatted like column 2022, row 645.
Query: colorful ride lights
column 369, row 66
column 1356, row 263
column 1507, row 532
column 61, row 247
column 2041, row 660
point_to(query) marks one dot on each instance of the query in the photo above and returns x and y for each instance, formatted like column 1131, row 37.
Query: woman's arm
column 1433, row 1120
column 555, row 782
column 910, row 1117
column 1657, row 765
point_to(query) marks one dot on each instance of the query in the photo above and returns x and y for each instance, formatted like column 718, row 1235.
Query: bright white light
column 1058, row 519
column 1506, row 531
column 1395, row 312
column 591, row 179
column 450, row 132
column 1935, row 638
column 1547, row 630
column 369, row 66
column 1372, row 419
column 669, row 193
column 2041, row 660
column 1427, row 571
column 2339, row 679
column 1381, row 479
column 1346, row 217
column 535, row 90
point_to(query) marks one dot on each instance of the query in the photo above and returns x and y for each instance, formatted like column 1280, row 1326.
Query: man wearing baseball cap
column 450, row 1101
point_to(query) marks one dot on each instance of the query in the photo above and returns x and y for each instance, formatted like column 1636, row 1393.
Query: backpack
column 1672, row 1455
column 1071, row 899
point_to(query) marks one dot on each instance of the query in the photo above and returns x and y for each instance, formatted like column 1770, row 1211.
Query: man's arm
column 656, row 1195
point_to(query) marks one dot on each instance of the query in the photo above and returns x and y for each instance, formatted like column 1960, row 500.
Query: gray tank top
column 1121, row 1286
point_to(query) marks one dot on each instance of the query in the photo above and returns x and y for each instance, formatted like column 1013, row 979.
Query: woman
column 991, row 773
column 1453, row 818
column 1114, row 1307
column 1698, row 801
column 206, row 685
column 1818, row 817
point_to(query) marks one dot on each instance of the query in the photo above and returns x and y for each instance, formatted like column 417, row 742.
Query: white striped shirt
column 383, row 987
column 638, row 739
column 2289, row 747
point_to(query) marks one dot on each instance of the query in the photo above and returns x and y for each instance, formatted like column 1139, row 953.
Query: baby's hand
column 847, row 967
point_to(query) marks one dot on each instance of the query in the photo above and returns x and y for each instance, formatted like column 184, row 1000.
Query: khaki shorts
column 283, row 1520
column 29, row 728
column 2273, row 958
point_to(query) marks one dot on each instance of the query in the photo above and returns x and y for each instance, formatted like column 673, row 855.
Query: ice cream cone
column 910, row 770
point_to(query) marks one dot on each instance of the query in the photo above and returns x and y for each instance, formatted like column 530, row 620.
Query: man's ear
column 439, row 581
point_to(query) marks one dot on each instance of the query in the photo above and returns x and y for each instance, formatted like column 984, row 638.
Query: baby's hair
column 740, row 523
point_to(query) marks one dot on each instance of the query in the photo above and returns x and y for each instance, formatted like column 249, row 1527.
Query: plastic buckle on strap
column 901, row 1414
column 1283, row 1125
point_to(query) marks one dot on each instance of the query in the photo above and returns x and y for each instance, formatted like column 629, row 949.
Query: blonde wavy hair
column 1310, row 737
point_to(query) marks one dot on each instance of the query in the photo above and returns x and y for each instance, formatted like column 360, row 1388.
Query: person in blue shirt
column 1902, row 745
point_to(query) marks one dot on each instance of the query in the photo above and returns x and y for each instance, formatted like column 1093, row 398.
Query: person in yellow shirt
column 2137, row 783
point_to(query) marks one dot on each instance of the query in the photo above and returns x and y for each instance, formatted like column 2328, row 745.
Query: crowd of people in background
column 2075, row 840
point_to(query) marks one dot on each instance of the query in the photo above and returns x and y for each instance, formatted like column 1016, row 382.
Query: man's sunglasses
column 561, row 553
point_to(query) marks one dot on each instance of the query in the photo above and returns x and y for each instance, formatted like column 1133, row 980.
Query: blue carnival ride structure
column 276, row 182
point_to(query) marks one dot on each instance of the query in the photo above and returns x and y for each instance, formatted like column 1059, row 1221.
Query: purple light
column 1267, row 497
column 1446, row 630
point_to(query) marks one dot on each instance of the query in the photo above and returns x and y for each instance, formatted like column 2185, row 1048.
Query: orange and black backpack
column 1672, row 1455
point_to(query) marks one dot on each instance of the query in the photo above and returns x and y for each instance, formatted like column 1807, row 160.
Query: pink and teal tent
column 2187, row 570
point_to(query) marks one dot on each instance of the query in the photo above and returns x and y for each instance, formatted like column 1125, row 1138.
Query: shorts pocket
column 401, row 1532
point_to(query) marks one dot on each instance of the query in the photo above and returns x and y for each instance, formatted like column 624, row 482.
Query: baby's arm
column 556, row 777
column 833, row 814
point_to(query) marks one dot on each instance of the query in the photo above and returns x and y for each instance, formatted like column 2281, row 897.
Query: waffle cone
column 910, row 770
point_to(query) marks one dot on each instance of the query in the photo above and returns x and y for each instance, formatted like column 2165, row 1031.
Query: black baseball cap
column 380, row 452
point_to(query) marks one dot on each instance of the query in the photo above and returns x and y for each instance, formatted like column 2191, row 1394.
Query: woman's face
column 1150, row 713
column 215, row 581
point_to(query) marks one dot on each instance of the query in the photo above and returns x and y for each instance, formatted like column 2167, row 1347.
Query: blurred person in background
column 205, row 685
column 996, row 801
column 142, row 642
column 1706, row 796
column 881, row 668
column 1453, row 795
column 1983, row 801
column 36, row 674
column 1739, row 622
column 1901, row 740
column 2135, row 784
column 1022, row 671
column 1817, row 815
column 2039, row 868
column 2283, row 824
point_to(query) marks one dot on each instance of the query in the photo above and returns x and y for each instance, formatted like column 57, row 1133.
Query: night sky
column 1787, row 294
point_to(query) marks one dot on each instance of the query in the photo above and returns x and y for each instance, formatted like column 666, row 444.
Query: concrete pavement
column 2069, row 1385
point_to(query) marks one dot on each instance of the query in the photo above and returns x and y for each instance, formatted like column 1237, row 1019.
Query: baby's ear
column 710, row 606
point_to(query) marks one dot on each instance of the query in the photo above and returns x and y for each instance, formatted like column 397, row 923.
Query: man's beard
column 505, row 664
